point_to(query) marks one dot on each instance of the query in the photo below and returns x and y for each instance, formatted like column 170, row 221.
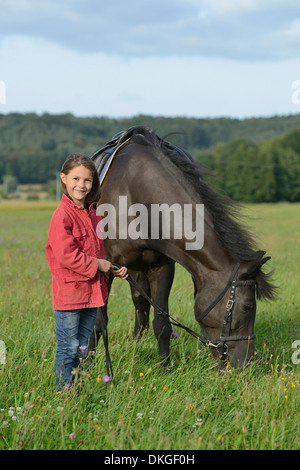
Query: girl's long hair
column 77, row 159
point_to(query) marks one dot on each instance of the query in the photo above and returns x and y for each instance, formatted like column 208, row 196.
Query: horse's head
column 228, row 320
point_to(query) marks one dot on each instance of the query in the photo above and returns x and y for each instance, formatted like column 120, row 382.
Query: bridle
column 221, row 343
column 225, row 337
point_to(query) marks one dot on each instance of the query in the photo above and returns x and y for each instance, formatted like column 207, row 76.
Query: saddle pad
column 104, row 163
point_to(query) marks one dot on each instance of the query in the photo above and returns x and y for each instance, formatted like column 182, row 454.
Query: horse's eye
column 247, row 307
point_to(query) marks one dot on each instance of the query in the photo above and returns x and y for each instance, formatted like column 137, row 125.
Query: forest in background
column 251, row 160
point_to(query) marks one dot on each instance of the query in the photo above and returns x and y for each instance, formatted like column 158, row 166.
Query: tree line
column 252, row 160
column 267, row 171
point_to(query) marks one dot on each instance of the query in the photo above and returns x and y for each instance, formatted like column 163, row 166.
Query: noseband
column 220, row 344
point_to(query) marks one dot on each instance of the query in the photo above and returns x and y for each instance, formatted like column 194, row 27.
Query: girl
column 75, row 257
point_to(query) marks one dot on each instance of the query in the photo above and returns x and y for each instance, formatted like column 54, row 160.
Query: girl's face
column 79, row 182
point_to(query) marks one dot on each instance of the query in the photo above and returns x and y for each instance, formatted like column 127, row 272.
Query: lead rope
column 172, row 320
column 214, row 344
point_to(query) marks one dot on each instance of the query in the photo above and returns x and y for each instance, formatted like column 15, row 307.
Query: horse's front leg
column 99, row 328
column 161, row 279
column 101, row 321
column 142, row 306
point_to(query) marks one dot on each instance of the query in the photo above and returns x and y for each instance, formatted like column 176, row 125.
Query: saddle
column 104, row 155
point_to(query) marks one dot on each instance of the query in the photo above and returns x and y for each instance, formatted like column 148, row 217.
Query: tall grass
column 193, row 407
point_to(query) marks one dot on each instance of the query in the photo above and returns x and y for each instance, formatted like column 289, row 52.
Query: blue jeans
column 73, row 331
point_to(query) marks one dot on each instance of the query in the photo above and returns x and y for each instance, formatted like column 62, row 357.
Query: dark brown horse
column 225, row 268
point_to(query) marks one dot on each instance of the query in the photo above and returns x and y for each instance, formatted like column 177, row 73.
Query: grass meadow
column 193, row 408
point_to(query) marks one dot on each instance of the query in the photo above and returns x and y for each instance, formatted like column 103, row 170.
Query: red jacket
column 72, row 251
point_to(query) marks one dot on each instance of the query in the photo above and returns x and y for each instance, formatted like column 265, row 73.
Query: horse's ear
column 251, row 268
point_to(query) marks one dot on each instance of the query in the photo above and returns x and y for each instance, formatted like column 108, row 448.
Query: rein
column 221, row 343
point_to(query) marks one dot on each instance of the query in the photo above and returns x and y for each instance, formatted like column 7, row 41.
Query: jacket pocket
column 80, row 238
column 79, row 232
column 76, row 289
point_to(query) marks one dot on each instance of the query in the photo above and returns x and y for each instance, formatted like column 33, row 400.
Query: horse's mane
column 224, row 212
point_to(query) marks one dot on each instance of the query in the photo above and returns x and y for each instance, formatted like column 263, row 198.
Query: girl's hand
column 121, row 272
column 104, row 266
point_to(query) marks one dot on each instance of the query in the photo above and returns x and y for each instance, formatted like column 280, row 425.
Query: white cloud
column 21, row 11
column 231, row 6
column 42, row 77
column 244, row 6
column 294, row 30
column 176, row 57
column 241, row 29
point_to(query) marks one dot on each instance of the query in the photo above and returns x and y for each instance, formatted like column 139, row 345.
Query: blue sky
column 194, row 58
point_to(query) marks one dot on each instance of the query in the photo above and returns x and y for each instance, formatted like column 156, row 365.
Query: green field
column 194, row 407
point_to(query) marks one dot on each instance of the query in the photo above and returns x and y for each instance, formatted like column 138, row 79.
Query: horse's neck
column 212, row 258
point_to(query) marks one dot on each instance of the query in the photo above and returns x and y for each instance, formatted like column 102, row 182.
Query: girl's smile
column 78, row 181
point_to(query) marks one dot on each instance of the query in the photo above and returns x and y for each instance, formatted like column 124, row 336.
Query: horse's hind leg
column 142, row 306
column 161, row 279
